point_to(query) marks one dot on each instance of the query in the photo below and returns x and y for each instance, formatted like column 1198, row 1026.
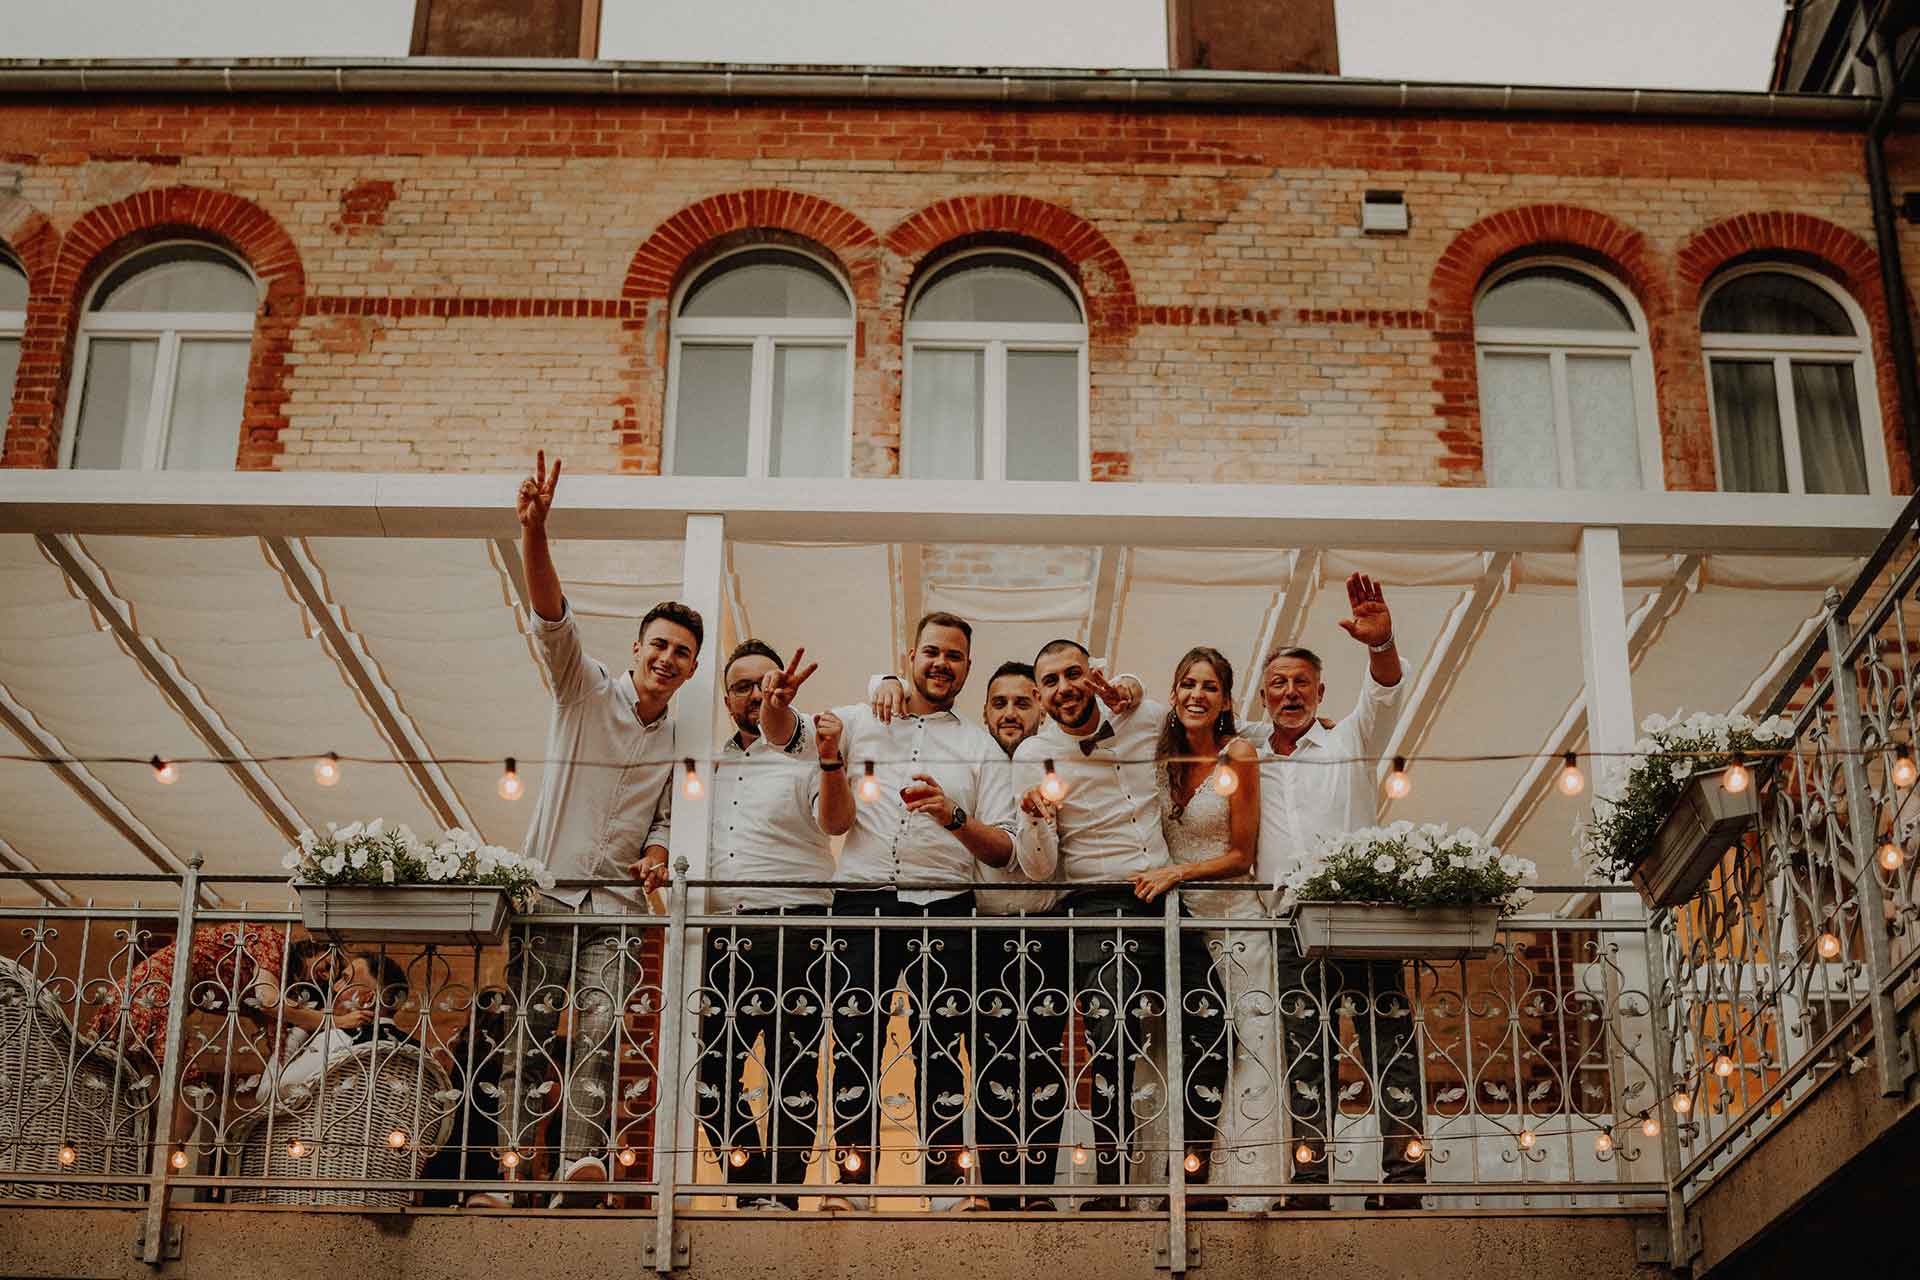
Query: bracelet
column 832, row 766
column 1382, row 647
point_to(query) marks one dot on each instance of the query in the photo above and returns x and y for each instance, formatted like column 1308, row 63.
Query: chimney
column 506, row 29
column 1253, row 35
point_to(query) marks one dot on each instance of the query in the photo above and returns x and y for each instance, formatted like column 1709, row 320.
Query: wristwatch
column 1382, row 647
column 959, row 819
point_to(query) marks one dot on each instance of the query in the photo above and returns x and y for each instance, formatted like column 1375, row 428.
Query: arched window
column 1792, row 384
column 13, row 325
column 761, row 366
column 1566, row 385
column 996, row 373
column 162, row 363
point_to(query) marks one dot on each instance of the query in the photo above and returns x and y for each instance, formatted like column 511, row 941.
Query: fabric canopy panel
column 836, row 602
column 1009, row 625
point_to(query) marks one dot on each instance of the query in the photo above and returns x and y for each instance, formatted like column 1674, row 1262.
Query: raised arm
column 778, row 719
column 836, row 794
column 534, row 501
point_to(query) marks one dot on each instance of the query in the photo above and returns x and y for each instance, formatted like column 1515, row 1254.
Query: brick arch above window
column 1076, row 244
column 105, row 235
column 1804, row 240
column 693, row 236
column 27, row 237
column 1499, row 238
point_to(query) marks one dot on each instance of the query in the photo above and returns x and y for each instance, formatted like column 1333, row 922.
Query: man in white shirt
column 1095, row 828
column 762, row 992
column 1302, row 804
column 591, row 821
column 935, row 803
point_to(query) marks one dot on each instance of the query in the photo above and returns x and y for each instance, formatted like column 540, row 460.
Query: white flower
column 333, row 864
column 1383, row 863
column 1511, row 865
column 290, row 859
column 308, row 840
column 1401, row 829
column 357, row 855
column 1433, row 831
column 386, row 870
column 1654, row 723
column 376, row 828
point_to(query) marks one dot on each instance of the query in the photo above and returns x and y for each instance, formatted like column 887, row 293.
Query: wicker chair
column 55, row 1092
column 343, row 1119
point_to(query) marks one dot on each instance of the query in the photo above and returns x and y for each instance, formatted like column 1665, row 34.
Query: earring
column 1223, row 723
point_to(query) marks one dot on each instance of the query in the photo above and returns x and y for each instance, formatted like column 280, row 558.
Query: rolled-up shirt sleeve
column 660, row 831
column 1377, row 711
column 993, row 795
column 1037, row 843
column 575, row 675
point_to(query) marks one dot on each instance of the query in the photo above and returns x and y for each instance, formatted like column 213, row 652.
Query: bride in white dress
column 1212, row 836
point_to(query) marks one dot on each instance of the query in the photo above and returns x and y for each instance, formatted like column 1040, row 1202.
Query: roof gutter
column 1024, row 86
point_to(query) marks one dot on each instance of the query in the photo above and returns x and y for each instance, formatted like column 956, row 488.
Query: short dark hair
column 391, row 977
column 1307, row 656
column 1056, row 646
column 751, row 648
column 681, row 615
column 941, row 618
column 1012, row 668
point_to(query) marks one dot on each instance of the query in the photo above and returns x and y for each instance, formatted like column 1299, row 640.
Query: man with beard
column 589, row 822
column 1090, row 804
column 761, row 983
column 1021, row 1095
column 1303, row 804
column 935, row 805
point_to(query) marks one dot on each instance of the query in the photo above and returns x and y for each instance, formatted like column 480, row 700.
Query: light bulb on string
column 1603, row 1142
column 1079, row 1154
column 163, row 771
column 178, row 1159
column 1193, row 1163
column 1052, row 786
column 510, row 780
column 1651, row 1125
column 869, row 783
column 1738, row 777
column 1399, row 785
column 296, row 1150
column 326, row 770
column 1415, row 1149
column 692, row 784
column 1225, row 780
column 67, row 1154
column 510, row 1159
column 965, row 1158
column 1571, row 781
column 1904, row 769
column 1682, row 1103
column 853, row 1162
column 396, row 1138
column 1828, row 946
column 737, row 1157
column 628, row 1157
column 1891, row 856
column 1527, row 1138
column 1305, row 1154
column 1723, row 1066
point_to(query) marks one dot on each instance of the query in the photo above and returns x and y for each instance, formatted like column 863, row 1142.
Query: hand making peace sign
column 777, row 688
column 536, row 493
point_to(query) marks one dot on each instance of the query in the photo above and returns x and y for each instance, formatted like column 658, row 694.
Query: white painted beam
column 888, row 510
column 1109, row 596
column 1284, row 621
column 696, row 706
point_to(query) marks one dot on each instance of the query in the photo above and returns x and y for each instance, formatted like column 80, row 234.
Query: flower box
column 1382, row 931
column 450, row 914
column 1693, row 837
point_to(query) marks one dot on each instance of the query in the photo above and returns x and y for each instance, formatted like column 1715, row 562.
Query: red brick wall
column 451, row 284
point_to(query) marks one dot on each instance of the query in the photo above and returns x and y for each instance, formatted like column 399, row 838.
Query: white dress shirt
column 1303, row 803
column 889, row 844
column 1108, row 826
column 607, row 790
column 765, row 823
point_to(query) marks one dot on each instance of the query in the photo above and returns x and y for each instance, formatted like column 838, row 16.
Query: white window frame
column 1558, row 344
column 168, row 328
column 13, row 324
column 1782, row 350
column 996, row 341
column 763, row 334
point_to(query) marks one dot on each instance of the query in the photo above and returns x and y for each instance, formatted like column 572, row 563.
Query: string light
column 163, row 771
column 1527, row 1138
column 1051, row 786
column 1415, row 1149
column 1651, row 1125
column 1571, row 781
column 1079, row 1154
column 1904, row 770
column 1225, row 780
column 1891, row 856
column 965, row 1158
column 1828, row 946
column 1738, row 777
column 178, row 1159
column 853, row 1162
column 693, row 786
column 1399, row 785
column 67, row 1154
column 869, row 784
column 1682, row 1103
column 510, row 781
column 627, row 1157
column 326, row 770
column 396, row 1138
column 737, row 1157
column 296, row 1150
column 1193, row 1162
column 1723, row 1066
column 1603, row 1142
column 510, row 1159
column 1305, row 1154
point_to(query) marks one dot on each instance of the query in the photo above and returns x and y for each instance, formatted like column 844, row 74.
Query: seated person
column 370, row 986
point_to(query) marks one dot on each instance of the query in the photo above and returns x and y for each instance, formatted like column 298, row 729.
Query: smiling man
column 589, row 822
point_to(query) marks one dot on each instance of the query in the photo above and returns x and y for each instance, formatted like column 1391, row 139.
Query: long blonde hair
column 1173, row 742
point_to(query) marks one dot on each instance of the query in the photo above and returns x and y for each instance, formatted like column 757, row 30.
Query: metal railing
column 1152, row 1062
column 1799, row 958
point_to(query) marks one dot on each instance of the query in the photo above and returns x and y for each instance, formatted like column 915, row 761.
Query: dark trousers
column 1120, row 976
column 1313, row 994
column 1022, row 1091
column 760, row 1004
column 935, row 966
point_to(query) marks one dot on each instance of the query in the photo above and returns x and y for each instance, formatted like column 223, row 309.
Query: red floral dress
column 220, row 954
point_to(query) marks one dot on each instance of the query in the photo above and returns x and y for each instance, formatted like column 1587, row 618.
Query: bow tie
column 1087, row 745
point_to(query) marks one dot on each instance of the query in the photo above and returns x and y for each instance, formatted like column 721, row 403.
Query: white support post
column 696, row 707
column 1608, row 670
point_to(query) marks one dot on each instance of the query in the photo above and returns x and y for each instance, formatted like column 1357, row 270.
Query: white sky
column 1674, row 43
